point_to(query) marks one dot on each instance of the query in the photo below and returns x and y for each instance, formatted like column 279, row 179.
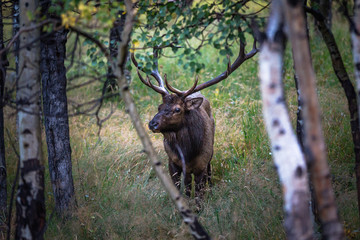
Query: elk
column 186, row 122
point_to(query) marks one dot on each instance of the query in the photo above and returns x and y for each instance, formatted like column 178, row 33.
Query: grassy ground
column 119, row 196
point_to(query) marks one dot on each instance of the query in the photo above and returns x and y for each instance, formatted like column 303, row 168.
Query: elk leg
column 175, row 173
column 209, row 174
column 200, row 181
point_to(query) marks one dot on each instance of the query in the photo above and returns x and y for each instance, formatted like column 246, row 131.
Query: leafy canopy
column 185, row 29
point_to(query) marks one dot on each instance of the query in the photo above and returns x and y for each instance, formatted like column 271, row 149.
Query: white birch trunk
column 30, row 203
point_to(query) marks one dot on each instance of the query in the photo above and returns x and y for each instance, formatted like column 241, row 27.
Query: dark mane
column 189, row 137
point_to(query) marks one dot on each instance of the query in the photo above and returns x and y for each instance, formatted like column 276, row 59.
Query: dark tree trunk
column 324, row 7
column 3, row 190
column 53, row 78
column 115, row 38
column 343, row 77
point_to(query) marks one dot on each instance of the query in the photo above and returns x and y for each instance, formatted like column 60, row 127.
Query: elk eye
column 177, row 110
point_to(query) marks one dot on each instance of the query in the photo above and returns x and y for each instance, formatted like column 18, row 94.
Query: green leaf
column 101, row 64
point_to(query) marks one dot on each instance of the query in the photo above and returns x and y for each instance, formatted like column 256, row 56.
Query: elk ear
column 193, row 103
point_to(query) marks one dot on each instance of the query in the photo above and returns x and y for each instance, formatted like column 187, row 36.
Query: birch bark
column 30, row 202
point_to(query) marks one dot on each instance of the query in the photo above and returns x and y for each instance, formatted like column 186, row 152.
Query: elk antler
column 181, row 93
column 242, row 57
column 155, row 73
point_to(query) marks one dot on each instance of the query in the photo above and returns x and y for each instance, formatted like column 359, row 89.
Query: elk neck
column 189, row 137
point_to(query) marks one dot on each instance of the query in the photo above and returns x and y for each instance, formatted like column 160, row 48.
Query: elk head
column 172, row 111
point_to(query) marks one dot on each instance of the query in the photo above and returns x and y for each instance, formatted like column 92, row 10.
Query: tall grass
column 119, row 196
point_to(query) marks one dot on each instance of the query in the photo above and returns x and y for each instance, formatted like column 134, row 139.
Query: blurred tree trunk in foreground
column 53, row 78
column 30, row 201
column 344, row 79
column 287, row 154
column 314, row 140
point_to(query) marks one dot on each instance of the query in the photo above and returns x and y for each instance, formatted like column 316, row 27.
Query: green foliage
column 187, row 29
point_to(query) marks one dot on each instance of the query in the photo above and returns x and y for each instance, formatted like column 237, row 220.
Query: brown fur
column 187, row 123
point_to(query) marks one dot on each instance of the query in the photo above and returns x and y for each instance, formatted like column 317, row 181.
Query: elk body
column 188, row 129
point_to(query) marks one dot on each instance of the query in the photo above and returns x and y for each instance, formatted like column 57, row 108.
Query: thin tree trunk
column 30, row 200
column 314, row 140
column 343, row 77
column 53, row 78
column 288, row 157
column 3, row 185
column 325, row 8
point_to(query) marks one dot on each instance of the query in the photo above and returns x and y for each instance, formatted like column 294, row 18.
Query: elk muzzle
column 154, row 125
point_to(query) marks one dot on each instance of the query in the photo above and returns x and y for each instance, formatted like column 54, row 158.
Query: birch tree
column 30, row 202
column 288, row 158
column 314, row 141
